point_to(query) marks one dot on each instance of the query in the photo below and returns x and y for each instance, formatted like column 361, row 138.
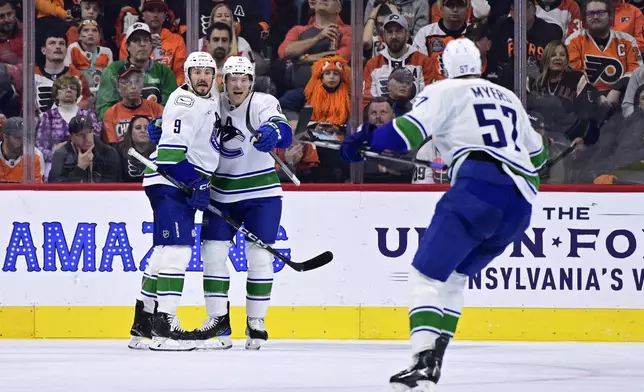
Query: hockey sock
column 452, row 297
column 171, row 277
column 426, row 312
column 149, row 292
column 216, row 277
column 259, row 282
column 149, row 282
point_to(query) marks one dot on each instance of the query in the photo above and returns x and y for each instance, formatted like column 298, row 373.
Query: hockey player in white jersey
column 247, row 188
column 485, row 137
column 186, row 150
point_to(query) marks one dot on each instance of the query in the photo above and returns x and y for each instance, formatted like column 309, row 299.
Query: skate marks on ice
column 70, row 365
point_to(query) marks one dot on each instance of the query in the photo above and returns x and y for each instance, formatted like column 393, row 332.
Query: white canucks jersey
column 245, row 172
column 465, row 115
column 188, row 134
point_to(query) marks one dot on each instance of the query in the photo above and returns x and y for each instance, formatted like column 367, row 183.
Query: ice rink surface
column 102, row 366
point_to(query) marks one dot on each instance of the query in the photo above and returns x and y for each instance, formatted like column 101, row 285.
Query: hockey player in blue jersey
column 484, row 135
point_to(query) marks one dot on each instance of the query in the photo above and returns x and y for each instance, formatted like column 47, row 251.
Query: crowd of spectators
column 104, row 70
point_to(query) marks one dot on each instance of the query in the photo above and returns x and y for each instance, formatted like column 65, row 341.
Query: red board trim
column 585, row 188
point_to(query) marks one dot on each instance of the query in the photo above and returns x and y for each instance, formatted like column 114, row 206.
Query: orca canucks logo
column 223, row 139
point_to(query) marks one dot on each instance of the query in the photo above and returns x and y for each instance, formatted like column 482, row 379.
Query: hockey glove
column 154, row 130
column 352, row 144
column 200, row 198
column 267, row 137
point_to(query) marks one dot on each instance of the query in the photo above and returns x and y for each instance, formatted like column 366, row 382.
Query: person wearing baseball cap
column 159, row 80
column 168, row 48
column 117, row 118
column 479, row 33
column 397, row 55
column 11, row 169
column 84, row 158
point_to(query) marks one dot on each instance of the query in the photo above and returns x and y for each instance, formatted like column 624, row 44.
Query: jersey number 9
column 177, row 126
column 484, row 121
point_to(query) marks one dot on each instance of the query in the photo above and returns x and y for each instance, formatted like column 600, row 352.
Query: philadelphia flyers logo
column 606, row 69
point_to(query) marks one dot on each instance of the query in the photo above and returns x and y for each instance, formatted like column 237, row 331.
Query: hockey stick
column 366, row 152
column 316, row 262
column 277, row 159
column 551, row 162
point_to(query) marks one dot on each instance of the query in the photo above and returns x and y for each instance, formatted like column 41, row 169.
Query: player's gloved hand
column 200, row 198
column 154, row 130
column 352, row 144
column 267, row 137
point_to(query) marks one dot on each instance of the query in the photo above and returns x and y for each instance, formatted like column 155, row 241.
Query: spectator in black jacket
column 84, row 158
column 539, row 34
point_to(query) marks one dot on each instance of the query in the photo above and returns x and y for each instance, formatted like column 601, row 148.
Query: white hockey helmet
column 461, row 57
column 200, row 60
column 239, row 65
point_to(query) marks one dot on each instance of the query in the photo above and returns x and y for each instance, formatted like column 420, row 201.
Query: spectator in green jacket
column 159, row 80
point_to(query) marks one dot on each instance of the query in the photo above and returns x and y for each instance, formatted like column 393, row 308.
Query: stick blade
column 314, row 263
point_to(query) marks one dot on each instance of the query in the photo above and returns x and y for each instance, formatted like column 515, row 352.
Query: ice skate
column 167, row 335
column 424, row 373
column 214, row 334
column 141, row 331
column 256, row 334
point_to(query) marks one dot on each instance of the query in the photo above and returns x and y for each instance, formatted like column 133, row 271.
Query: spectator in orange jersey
column 54, row 125
column 629, row 19
column 477, row 11
column 397, row 54
column 54, row 51
column 608, row 57
column 11, row 164
column 117, row 118
column 89, row 10
column 432, row 39
column 136, row 137
column 87, row 55
column 168, row 47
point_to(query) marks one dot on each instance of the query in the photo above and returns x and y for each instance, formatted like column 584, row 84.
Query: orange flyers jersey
column 431, row 41
column 567, row 15
column 83, row 61
column 117, row 119
column 606, row 67
column 629, row 19
column 12, row 170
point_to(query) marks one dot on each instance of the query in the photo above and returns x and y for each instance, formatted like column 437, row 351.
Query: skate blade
column 138, row 343
column 164, row 344
column 423, row 386
column 216, row 344
column 254, row 344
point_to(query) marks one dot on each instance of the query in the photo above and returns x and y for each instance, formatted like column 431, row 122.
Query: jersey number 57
column 484, row 120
